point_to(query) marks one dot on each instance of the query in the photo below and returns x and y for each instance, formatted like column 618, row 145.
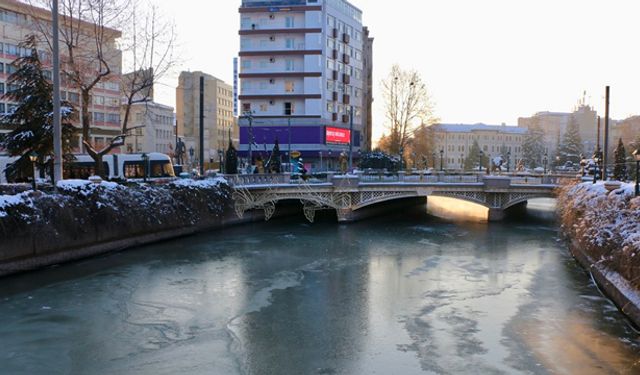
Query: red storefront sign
column 337, row 135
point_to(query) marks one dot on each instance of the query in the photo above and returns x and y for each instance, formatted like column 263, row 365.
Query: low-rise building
column 455, row 142
column 152, row 128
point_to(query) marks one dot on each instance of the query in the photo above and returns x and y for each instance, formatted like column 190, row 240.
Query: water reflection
column 395, row 295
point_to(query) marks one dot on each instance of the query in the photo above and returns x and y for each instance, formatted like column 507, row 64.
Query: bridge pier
column 496, row 214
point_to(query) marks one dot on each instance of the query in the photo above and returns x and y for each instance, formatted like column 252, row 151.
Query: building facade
column 219, row 123
column 554, row 125
column 152, row 129
column 301, row 76
column 456, row 140
column 17, row 21
column 367, row 97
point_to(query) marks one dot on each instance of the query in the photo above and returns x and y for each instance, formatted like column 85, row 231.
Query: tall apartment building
column 301, row 72
column 218, row 114
column 456, row 140
column 17, row 20
column 554, row 125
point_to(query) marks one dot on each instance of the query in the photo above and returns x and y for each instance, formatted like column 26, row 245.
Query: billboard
column 338, row 136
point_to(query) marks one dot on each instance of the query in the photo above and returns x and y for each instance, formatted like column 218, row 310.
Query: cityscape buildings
column 301, row 77
column 152, row 128
column 17, row 21
column 455, row 142
column 554, row 125
column 219, row 123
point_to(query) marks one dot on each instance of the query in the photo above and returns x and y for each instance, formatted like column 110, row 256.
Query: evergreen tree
column 570, row 148
column 473, row 158
column 31, row 123
column 231, row 160
column 533, row 147
column 274, row 163
column 620, row 156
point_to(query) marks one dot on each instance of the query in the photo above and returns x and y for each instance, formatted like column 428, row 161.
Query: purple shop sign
column 307, row 135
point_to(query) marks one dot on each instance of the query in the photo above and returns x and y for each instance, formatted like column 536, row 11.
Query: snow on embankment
column 604, row 228
column 79, row 214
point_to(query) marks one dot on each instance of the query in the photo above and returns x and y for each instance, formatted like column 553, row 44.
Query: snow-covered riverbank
column 80, row 218
column 604, row 231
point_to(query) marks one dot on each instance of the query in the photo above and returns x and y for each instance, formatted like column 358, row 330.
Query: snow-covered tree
column 473, row 158
column 273, row 165
column 570, row 148
column 31, row 122
column 620, row 157
column 533, row 147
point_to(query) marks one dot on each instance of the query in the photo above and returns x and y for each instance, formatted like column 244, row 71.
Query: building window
column 290, row 43
column 289, row 22
column 289, row 86
column 246, row 107
column 289, row 65
column 288, row 108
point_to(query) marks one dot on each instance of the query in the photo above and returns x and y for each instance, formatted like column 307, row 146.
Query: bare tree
column 92, row 51
column 407, row 105
column 148, row 52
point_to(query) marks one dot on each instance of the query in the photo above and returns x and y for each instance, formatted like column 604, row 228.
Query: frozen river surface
column 389, row 296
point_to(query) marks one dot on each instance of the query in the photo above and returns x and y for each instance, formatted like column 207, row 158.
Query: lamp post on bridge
column 509, row 162
column 481, row 154
column 545, row 161
column 636, row 155
column 441, row 160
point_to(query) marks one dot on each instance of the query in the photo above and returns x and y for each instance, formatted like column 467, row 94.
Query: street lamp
column 509, row 162
column 220, row 155
column 34, row 157
column 636, row 155
column 145, row 161
column 441, row 160
column 401, row 157
column 596, row 160
column 545, row 161
column 480, row 162
column 330, row 162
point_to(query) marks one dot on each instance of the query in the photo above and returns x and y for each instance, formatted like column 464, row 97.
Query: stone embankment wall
column 603, row 229
column 81, row 219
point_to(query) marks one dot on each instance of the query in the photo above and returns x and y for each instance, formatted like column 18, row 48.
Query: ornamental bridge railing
column 391, row 178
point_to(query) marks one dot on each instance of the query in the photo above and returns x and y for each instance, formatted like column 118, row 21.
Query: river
column 394, row 295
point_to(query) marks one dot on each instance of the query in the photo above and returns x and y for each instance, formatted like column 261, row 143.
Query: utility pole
column 249, row 117
column 57, row 127
column 289, row 150
column 202, row 125
column 351, row 139
column 606, row 134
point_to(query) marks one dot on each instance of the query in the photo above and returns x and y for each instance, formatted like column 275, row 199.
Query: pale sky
column 488, row 61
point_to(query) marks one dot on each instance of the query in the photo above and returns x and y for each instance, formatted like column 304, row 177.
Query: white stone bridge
column 349, row 194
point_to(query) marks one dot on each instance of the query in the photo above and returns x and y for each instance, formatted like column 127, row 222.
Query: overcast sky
column 488, row 61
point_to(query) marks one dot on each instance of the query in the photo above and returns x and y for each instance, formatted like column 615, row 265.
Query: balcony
column 346, row 38
column 346, row 99
column 334, row 33
column 345, row 119
column 334, row 117
column 346, row 58
column 334, row 96
column 346, row 78
column 334, row 54
column 334, row 75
